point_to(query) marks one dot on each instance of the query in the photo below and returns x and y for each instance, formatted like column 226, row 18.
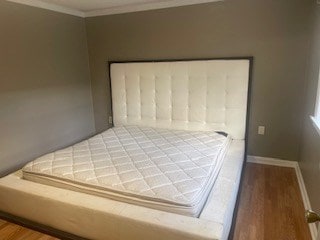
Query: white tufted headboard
column 190, row 95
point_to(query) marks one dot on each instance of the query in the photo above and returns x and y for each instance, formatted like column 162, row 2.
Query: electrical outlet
column 110, row 120
column 261, row 130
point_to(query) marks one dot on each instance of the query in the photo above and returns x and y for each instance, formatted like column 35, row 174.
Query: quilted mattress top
column 168, row 166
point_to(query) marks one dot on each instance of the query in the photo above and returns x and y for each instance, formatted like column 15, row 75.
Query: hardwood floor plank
column 11, row 231
column 271, row 205
column 3, row 224
column 21, row 234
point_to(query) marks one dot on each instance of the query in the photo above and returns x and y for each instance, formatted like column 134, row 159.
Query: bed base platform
column 93, row 217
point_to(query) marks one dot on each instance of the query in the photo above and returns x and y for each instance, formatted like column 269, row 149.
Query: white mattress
column 169, row 170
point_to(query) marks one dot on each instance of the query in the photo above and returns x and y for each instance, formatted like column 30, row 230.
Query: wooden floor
column 270, row 208
column 10, row 231
column 271, row 205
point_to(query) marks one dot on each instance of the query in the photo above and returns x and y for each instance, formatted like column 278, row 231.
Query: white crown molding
column 49, row 6
column 303, row 190
column 111, row 10
column 145, row 7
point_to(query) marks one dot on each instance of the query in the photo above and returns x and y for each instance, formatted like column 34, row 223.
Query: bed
column 170, row 168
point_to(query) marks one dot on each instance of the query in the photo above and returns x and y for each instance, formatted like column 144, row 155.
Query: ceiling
column 89, row 8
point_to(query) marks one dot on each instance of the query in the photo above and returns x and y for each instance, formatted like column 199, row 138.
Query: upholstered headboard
column 190, row 95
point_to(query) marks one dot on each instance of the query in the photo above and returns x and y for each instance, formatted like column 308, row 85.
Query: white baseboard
column 303, row 190
column 272, row 161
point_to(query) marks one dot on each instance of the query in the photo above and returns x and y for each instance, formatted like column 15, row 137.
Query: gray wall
column 276, row 33
column 310, row 151
column 45, row 97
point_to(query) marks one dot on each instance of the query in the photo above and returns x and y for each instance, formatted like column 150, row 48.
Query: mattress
column 169, row 170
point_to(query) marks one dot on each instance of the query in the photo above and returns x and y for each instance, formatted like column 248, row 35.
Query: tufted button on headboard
column 191, row 95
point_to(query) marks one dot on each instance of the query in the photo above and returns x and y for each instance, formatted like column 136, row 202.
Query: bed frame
column 169, row 104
